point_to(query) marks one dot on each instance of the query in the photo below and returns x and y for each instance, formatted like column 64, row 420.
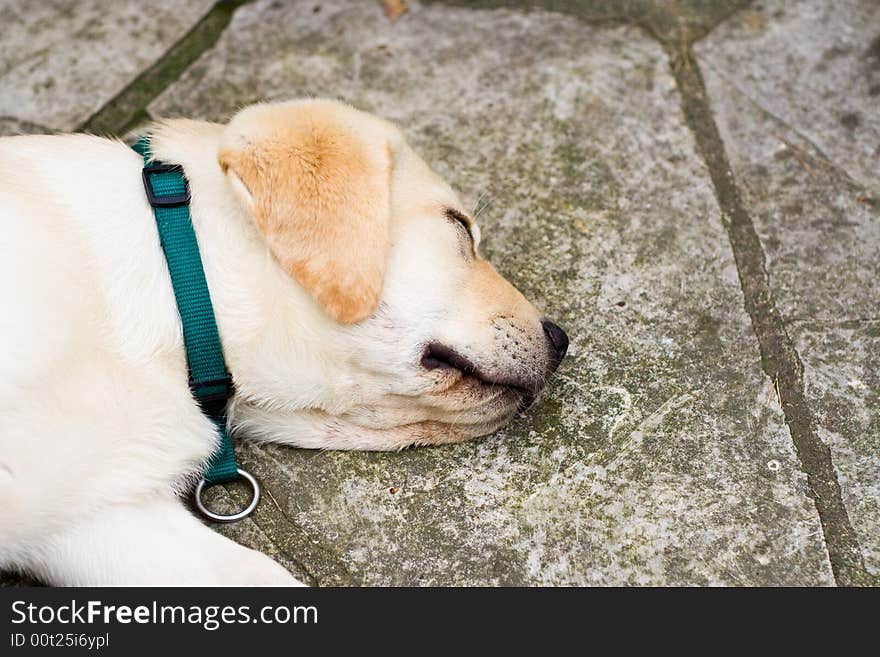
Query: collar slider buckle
column 212, row 394
column 165, row 200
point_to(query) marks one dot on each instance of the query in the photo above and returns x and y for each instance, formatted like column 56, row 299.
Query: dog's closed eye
column 462, row 221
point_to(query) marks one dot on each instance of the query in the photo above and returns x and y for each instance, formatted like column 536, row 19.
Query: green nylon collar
column 211, row 384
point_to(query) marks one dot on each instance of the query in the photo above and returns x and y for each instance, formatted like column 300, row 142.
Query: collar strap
column 167, row 191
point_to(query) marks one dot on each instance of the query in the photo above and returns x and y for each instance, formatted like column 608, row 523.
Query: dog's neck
column 254, row 299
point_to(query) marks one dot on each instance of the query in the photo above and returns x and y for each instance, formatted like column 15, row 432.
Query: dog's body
column 344, row 295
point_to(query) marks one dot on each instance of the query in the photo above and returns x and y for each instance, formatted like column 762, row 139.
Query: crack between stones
column 128, row 108
column 818, row 153
column 29, row 127
column 338, row 566
column 779, row 359
column 241, row 500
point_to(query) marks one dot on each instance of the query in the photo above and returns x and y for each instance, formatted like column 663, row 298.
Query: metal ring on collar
column 200, row 505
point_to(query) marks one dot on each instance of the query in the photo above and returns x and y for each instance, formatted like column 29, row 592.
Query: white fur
column 98, row 431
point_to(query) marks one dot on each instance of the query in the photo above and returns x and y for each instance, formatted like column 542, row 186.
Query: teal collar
column 211, row 384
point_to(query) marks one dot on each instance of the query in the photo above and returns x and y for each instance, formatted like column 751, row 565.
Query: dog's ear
column 315, row 177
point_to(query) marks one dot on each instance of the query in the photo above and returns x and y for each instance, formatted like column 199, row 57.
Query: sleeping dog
column 354, row 308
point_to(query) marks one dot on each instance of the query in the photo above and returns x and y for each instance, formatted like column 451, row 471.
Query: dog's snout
column 558, row 341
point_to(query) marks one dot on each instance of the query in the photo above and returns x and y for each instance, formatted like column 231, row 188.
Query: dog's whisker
column 481, row 208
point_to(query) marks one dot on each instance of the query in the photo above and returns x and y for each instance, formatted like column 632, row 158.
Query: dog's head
column 388, row 329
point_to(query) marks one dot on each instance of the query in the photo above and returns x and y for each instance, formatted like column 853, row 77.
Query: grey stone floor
column 691, row 188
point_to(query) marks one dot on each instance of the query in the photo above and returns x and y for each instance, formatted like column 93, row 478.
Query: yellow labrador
column 354, row 308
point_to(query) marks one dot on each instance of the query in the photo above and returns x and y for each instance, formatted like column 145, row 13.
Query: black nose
column 558, row 341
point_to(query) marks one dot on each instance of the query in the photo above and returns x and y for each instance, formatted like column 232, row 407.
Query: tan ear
column 316, row 179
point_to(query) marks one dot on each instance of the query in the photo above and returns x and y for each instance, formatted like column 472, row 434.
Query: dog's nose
column 558, row 341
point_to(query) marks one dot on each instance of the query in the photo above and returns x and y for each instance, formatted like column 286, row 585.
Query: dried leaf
column 394, row 9
column 755, row 20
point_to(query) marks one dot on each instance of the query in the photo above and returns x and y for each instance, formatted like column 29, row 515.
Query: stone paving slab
column 60, row 62
column 802, row 131
column 814, row 66
column 659, row 455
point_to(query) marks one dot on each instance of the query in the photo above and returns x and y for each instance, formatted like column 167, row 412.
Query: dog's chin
column 392, row 424
column 423, row 434
column 449, row 419
column 465, row 411
column 461, row 422
column 418, row 434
